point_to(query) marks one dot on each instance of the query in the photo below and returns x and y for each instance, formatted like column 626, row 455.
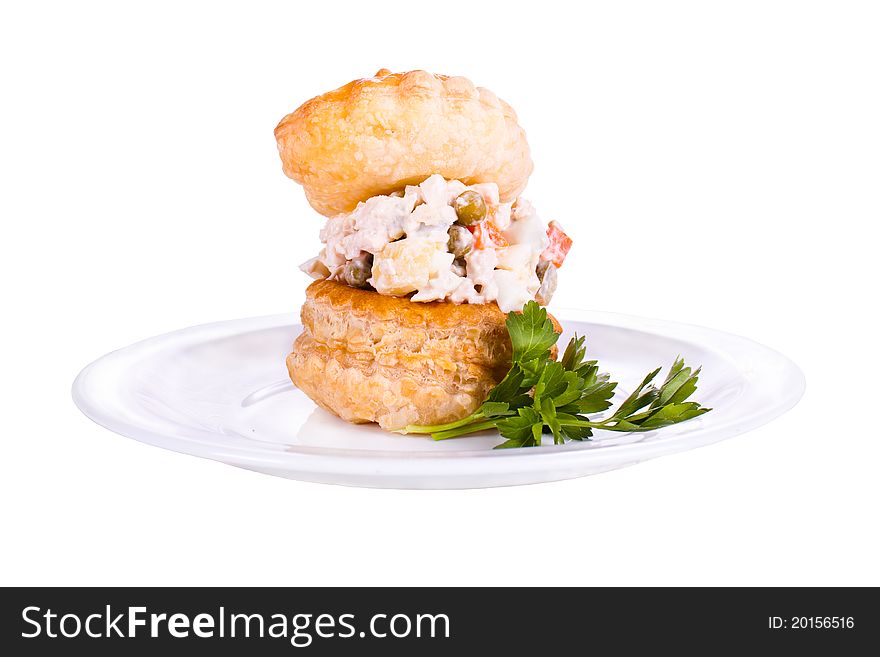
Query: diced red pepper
column 560, row 243
column 487, row 235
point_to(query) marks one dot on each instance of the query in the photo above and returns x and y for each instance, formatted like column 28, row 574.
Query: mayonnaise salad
column 442, row 240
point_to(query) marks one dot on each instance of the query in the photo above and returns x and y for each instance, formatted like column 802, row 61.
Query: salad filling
column 443, row 240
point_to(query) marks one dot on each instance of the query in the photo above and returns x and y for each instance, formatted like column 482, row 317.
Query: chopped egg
column 405, row 266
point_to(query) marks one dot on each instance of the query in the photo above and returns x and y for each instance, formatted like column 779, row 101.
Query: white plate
column 221, row 391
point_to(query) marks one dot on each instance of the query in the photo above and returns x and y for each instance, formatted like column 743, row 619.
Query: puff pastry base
column 368, row 357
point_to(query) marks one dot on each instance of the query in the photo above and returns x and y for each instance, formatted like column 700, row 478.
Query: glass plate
column 221, row 391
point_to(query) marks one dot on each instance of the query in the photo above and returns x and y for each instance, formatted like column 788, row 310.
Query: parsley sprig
column 543, row 396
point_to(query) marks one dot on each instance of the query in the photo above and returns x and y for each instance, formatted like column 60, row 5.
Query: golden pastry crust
column 372, row 358
column 376, row 135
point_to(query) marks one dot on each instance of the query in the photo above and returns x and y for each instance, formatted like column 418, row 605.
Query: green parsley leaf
column 539, row 395
column 510, row 385
column 519, row 430
column 531, row 333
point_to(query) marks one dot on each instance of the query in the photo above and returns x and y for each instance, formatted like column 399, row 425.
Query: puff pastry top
column 376, row 135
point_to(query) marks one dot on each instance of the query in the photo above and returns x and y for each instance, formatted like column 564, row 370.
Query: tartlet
column 427, row 246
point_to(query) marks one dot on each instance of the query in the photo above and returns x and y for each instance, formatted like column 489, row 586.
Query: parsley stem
column 605, row 425
column 438, row 428
column 461, row 431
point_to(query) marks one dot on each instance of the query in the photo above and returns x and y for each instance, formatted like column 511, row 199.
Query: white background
column 716, row 163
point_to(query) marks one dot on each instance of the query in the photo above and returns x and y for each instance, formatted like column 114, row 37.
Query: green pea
column 357, row 271
column 469, row 208
column 460, row 241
